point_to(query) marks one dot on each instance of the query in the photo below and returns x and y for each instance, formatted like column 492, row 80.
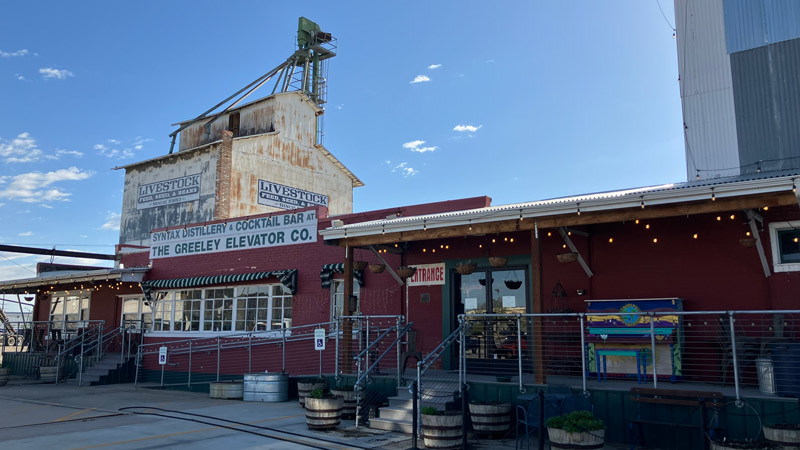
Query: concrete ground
column 34, row 415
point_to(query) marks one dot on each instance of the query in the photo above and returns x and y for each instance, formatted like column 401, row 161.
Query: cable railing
column 366, row 399
column 746, row 351
column 290, row 350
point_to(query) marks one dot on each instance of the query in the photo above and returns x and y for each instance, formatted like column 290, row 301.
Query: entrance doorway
column 492, row 343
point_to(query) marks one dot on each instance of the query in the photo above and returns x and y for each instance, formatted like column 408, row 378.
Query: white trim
column 204, row 334
column 777, row 265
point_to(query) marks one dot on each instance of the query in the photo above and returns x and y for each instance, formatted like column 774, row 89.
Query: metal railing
column 41, row 343
column 389, row 339
column 291, row 350
column 747, row 350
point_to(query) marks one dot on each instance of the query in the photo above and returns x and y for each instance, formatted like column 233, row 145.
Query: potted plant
column 441, row 429
column 348, row 394
column 786, row 433
column 490, row 417
column 323, row 411
column 578, row 429
column 306, row 385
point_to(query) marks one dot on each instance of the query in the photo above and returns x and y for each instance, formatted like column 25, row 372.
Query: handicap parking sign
column 162, row 355
column 319, row 339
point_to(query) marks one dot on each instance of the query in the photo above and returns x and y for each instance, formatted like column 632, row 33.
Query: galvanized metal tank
column 266, row 387
column 226, row 390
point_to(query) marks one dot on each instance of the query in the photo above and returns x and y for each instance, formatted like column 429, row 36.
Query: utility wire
column 665, row 16
column 11, row 260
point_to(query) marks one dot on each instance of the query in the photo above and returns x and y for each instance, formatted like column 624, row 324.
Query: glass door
column 490, row 339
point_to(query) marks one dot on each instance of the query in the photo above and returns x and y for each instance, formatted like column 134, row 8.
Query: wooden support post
column 537, row 295
column 347, row 324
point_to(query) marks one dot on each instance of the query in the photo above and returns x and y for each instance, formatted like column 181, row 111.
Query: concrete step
column 87, row 379
column 396, row 414
column 96, row 371
column 407, row 403
column 402, row 426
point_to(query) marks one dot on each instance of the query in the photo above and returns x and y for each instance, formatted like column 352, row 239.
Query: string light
column 766, row 208
column 794, row 186
column 698, row 170
column 719, row 218
column 636, row 222
column 610, row 240
column 424, row 225
column 694, row 236
column 563, row 245
column 569, row 233
column 480, row 245
column 395, row 245
column 511, row 240
column 758, row 167
column 493, row 240
column 383, row 229
column 549, row 234
column 647, row 227
column 520, row 215
column 579, row 209
column 470, row 224
column 733, row 216
column 747, row 234
column 447, row 247
column 424, row 250
column 505, row 239
column 655, row 240
column 441, row 245
column 713, row 195
column 433, row 250
column 642, row 202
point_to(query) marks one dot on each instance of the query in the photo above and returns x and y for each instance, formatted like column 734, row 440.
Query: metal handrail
column 400, row 335
column 428, row 360
column 245, row 335
column 373, row 344
column 77, row 341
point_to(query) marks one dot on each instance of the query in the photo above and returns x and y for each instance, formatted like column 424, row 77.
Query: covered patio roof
column 30, row 285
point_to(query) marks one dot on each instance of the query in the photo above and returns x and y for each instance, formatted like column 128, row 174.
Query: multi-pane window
column 136, row 313
column 244, row 308
column 67, row 310
column 337, row 297
column 785, row 237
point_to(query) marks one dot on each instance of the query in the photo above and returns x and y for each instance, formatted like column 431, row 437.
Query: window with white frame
column 337, row 297
column 66, row 310
column 242, row 308
column 136, row 312
column 785, row 239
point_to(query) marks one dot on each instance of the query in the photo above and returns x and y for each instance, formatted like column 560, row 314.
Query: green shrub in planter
column 579, row 429
column 430, row 411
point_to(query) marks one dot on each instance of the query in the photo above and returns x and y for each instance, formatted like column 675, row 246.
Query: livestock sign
column 167, row 192
column 427, row 275
column 245, row 234
column 287, row 197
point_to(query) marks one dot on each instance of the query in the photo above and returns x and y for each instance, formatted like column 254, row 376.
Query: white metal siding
column 706, row 89
column 755, row 23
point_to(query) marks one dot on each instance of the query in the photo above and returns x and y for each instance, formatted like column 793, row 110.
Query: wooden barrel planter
column 228, row 390
column 349, row 405
column 562, row 439
column 47, row 374
column 305, row 386
column 785, row 434
column 492, row 418
column 324, row 413
column 3, row 376
column 441, row 431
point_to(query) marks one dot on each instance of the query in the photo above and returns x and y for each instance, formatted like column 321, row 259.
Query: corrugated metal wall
column 751, row 24
column 766, row 85
column 706, row 89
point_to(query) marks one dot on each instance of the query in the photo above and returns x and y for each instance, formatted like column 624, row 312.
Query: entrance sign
column 167, row 192
column 245, row 234
column 319, row 339
column 162, row 355
column 287, row 197
column 427, row 275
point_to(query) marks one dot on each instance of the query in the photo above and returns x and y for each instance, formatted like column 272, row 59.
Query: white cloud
column 26, row 233
column 415, row 146
column 22, row 52
column 470, row 128
column 46, row 206
column 419, row 79
column 31, row 187
column 489, row 61
column 112, row 222
column 406, row 171
column 19, row 77
column 434, row 66
column 114, row 148
column 23, row 148
column 339, row 107
column 58, row 74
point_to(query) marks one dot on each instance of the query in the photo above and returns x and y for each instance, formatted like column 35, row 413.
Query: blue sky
column 515, row 100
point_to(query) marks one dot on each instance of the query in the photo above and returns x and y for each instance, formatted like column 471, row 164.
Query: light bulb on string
column 470, row 224
column 719, row 218
column 713, row 195
column 733, row 216
column 642, row 202
column 794, row 186
column 655, row 240
column 766, row 208
column 520, row 215
column 647, row 227
column 636, row 222
column 694, row 236
column 610, row 240
column 424, row 225
column 747, row 234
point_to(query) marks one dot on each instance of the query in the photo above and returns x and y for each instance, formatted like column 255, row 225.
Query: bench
column 695, row 400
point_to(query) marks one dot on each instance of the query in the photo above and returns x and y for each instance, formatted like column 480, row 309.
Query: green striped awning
column 326, row 274
column 288, row 278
